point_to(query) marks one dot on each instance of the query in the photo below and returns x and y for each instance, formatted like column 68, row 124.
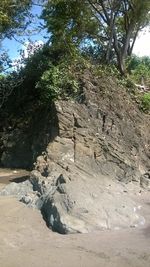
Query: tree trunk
column 111, row 30
column 122, row 66
column 123, row 52
column 120, row 56
column 127, row 40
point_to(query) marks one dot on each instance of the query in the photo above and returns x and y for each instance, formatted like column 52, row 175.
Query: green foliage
column 7, row 85
column 12, row 15
column 69, row 23
column 58, row 81
column 127, row 82
column 100, row 70
column 42, row 79
column 36, row 64
column 84, row 34
column 145, row 102
column 140, row 16
column 14, row 18
column 111, row 25
column 139, row 69
column 21, row 84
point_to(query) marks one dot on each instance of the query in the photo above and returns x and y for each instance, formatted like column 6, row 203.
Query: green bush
column 145, row 102
column 139, row 69
column 57, row 81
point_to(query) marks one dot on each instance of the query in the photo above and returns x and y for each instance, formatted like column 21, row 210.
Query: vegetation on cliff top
column 94, row 35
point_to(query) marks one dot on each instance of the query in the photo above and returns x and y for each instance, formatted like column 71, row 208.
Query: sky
column 142, row 45
column 141, row 48
column 14, row 45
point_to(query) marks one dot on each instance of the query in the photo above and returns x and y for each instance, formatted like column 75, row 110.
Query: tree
column 12, row 15
column 113, row 24
column 14, row 18
column 69, row 23
column 121, row 21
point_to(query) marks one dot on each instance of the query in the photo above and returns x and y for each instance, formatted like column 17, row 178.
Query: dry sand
column 25, row 241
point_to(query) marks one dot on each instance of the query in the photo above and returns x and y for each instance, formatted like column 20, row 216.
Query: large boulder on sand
column 84, row 203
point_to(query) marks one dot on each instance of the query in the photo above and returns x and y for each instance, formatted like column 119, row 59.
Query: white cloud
column 142, row 44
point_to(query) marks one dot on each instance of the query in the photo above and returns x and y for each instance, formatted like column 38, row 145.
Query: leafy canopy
column 69, row 23
column 12, row 15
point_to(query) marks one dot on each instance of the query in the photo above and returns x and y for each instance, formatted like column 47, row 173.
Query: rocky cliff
column 85, row 151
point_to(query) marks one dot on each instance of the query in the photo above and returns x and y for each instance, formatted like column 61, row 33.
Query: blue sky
column 13, row 46
column 141, row 48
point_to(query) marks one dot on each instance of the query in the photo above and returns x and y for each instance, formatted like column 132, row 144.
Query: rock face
column 23, row 138
column 100, row 141
column 17, row 189
column 77, row 202
column 83, row 202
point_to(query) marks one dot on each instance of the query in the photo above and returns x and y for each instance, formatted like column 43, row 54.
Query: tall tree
column 69, row 23
column 121, row 21
column 115, row 24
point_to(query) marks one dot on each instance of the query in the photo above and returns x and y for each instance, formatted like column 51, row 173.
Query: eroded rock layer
column 101, row 142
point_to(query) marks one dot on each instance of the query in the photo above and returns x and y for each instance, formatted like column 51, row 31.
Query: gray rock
column 17, row 189
column 83, row 148
column 79, row 202
column 145, row 180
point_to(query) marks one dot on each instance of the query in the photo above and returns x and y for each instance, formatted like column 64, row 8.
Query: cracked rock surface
column 101, row 144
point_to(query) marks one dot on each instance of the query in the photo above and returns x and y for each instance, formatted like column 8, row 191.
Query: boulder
column 78, row 202
column 17, row 189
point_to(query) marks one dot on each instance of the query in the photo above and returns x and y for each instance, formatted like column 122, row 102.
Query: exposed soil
column 26, row 241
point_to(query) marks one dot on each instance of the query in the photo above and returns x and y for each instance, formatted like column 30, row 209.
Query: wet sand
column 9, row 175
column 26, row 241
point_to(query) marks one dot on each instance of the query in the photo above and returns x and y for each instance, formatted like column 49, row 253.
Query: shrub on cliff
column 57, row 81
column 139, row 70
column 145, row 102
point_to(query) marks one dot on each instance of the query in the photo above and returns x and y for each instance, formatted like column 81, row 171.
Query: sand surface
column 25, row 241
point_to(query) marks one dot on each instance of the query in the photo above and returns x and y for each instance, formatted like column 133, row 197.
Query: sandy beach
column 26, row 241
